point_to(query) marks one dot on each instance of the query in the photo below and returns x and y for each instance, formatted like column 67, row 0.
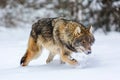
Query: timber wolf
column 59, row 36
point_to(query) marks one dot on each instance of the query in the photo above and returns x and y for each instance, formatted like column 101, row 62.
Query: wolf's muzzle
column 88, row 52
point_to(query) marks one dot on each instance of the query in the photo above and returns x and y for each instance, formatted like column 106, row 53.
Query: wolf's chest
column 49, row 45
column 52, row 47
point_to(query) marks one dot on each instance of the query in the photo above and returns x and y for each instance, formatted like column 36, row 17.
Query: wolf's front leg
column 50, row 57
column 65, row 57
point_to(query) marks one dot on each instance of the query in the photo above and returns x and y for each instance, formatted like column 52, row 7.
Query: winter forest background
column 104, row 14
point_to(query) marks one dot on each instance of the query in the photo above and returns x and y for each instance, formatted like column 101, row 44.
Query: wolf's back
column 42, row 27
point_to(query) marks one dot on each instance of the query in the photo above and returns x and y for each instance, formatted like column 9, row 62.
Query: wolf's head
column 83, row 39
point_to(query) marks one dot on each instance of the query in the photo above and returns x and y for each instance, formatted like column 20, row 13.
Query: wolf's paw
column 74, row 62
column 62, row 62
column 48, row 61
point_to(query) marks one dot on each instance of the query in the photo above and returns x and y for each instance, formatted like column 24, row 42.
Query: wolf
column 59, row 36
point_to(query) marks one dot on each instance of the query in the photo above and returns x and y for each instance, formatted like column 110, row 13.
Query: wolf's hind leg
column 33, row 51
column 50, row 58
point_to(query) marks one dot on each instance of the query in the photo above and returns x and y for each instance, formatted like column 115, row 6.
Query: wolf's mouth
column 82, row 49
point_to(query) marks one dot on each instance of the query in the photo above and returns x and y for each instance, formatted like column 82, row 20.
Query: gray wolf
column 59, row 36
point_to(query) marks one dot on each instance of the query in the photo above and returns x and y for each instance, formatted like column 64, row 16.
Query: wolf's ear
column 55, row 20
column 77, row 30
column 90, row 29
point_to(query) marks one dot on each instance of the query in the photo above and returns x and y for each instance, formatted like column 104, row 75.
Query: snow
column 102, row 64
column 116, row 3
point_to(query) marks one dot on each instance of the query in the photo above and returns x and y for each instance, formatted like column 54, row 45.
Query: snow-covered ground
column 102, row 64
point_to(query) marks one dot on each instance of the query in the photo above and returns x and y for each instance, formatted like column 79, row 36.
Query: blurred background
column 102, row 14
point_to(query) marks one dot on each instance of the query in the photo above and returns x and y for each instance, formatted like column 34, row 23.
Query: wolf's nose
column 89, row 52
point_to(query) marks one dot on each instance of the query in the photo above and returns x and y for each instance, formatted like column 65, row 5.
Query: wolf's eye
column 83, row 41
